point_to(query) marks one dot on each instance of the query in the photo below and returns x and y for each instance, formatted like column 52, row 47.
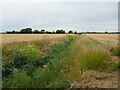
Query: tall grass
column 90, row 55
column 93, row 59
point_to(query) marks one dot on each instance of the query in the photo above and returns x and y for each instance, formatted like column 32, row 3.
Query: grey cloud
column 76, row 16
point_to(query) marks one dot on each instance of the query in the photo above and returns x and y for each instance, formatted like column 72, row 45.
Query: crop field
column 10, row 38
column 108, row 39
column 60, row 60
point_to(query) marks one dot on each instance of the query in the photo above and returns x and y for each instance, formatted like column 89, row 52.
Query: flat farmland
column 9, row 38
column 111, row 39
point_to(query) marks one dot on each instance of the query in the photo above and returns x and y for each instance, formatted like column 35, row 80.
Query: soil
column 103, row 80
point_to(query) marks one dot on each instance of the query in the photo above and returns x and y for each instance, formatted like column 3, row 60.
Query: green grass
column 21, row 80
column 93, row 60
column 32, row 68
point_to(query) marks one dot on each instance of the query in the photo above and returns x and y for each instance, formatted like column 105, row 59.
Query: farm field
column 103, row 38
column 10, row 38
column 108, row 39
column 60, row 61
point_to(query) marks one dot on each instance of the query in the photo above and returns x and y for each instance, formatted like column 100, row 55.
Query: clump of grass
column 115, row 51
column 21, row 79
column 90, row 55
column 93, row 60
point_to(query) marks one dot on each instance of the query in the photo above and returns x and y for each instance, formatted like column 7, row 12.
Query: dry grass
column 93, row 79
column 91, row 49
column 108, row 39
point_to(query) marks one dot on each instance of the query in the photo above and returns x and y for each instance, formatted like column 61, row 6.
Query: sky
column 76, row 16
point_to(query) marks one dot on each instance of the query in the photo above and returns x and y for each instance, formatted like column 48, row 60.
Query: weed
column 29, row 54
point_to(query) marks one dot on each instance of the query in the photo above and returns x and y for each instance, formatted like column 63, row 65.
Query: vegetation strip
column 27, row 64
column 63, row 64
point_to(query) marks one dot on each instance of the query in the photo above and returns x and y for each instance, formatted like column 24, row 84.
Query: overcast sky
column 76, row 16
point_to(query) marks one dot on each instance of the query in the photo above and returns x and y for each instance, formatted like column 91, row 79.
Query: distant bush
column 70, row 31
column 27, row 30
column 60, row 31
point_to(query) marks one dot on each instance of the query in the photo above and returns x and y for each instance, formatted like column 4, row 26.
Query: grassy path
column 99, row 68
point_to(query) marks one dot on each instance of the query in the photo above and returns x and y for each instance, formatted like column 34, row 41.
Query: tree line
column 30, row 31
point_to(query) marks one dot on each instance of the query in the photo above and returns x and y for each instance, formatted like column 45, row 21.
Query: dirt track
column 93, row 79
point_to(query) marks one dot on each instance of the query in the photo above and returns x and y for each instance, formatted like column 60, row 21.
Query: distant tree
column 42, row 31
column 23, row 31
column 60, row 31
column 106, row 32
column 53, row 32
column 87, row 32
column 13, row 32
column 48, row 32
column 17, row 32
column 70, row 31
column 79, row 33
column 36, row 31
column 8, row 32
column 27, row 30
column 75, row 32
